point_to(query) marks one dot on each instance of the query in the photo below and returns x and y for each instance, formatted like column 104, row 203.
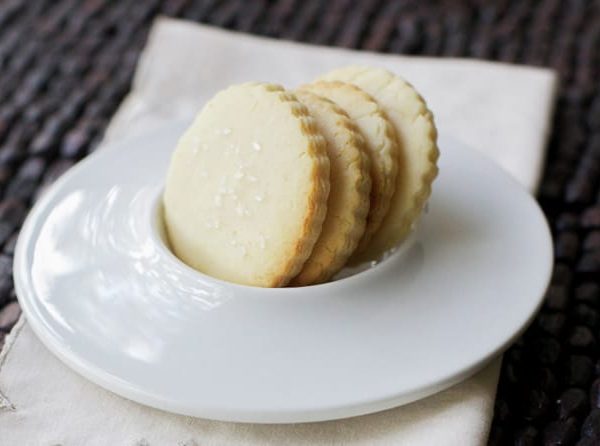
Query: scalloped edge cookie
column 418, row 151
column 246, row 191
column 348, row 203
column 381, row 144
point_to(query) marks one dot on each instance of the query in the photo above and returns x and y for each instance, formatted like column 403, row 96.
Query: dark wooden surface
column 65, row 66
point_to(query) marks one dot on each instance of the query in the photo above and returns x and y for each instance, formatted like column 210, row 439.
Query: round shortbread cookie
column 348, row 203
column 247, row 187
column 381, row 143
column 418, row 154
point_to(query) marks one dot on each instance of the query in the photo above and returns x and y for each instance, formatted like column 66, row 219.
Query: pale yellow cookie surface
column 418, row 154
column 381, row 144
column 247, row 187
column 348, row 202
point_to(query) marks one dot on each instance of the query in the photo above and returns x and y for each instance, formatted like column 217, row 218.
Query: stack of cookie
column 271, row 188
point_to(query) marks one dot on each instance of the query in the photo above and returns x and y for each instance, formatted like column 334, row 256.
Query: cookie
column 246, row 191
column 348, row 203
column 381, row 144
column 418, row 154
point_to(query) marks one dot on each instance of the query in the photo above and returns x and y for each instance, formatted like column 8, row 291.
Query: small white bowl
column 103, row 292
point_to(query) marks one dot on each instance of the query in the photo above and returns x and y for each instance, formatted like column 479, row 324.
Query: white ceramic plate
column 103, row 293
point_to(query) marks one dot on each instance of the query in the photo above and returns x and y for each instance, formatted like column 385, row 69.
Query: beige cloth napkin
column 502, row 110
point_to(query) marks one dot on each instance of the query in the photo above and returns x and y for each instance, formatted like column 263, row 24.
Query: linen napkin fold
column 501, row 110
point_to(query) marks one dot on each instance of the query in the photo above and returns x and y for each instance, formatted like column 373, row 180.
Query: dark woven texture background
column 65, row 66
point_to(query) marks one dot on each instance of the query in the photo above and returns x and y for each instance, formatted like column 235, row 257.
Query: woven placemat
column 65, row 65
